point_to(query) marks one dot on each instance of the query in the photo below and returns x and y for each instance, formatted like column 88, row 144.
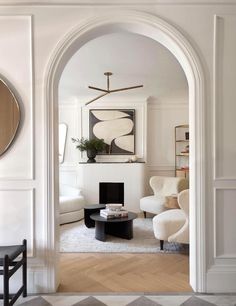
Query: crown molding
column 89, row 3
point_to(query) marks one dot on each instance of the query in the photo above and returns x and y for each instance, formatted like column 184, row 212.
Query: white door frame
column 164, row 33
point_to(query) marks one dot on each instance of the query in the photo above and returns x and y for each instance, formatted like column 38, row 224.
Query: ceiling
column 134, row 60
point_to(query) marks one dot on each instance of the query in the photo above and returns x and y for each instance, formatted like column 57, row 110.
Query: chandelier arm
column 97, row 98
column 96, row 88
column 108, row 82
column 126, row 88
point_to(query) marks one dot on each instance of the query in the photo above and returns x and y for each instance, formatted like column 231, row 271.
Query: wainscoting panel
column 225, row 225
column 224, row 96
column 20, row 79
column 68, row 175
column 17, row 217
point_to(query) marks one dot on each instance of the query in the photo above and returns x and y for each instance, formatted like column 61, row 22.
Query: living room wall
column 30, row 33
column 159, row 106
column 155, row 146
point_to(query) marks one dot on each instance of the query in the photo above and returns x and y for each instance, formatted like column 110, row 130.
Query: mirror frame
column 6, row 83
column 61, row 154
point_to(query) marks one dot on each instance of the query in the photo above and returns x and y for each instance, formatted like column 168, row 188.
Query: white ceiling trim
column 113, row 3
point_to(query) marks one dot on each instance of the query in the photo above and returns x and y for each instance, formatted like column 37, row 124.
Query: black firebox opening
column 111, row 193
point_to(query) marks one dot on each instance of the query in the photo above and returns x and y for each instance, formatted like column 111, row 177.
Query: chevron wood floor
column 106, row 272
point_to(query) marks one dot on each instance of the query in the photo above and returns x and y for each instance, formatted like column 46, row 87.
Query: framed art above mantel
column 116, row 127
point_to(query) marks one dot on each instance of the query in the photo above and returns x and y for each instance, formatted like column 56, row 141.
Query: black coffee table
column 89, row 210
column 120, row 227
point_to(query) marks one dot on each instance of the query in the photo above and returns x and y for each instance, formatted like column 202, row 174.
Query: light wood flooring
column 106, row 272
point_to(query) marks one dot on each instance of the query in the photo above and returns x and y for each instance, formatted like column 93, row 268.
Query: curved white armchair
column 173, row 225
column 71, row 204
column 162, row 186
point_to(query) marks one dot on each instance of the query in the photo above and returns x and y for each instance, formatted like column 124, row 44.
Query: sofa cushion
column 67, row 190
column 153, row 204
column 72, row 216
column 70, row 203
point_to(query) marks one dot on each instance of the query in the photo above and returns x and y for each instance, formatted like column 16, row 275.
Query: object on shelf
column 182, row 150
column 134, row 158
column 185, row 150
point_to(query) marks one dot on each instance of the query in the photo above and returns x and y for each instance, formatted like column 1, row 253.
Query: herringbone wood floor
column 106, row 272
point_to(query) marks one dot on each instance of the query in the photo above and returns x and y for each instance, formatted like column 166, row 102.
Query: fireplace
column 111, row 193
column 132, row 175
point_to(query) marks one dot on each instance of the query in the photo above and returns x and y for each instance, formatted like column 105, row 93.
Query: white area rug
column 76, row 237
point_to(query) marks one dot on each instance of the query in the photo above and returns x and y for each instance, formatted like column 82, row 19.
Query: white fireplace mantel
column 131, row 174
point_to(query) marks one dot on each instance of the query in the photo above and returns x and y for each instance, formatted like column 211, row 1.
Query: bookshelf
column 182, row 150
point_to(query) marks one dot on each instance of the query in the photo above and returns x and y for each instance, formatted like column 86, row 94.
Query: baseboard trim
column 221, row 279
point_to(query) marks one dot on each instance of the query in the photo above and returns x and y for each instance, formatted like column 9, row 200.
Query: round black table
column 120, row 227
column 89, row 210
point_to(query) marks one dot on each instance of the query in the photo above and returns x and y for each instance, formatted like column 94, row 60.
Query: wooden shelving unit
column 182, row 150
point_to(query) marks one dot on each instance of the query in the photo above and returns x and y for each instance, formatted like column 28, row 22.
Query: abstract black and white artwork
column 116, row 127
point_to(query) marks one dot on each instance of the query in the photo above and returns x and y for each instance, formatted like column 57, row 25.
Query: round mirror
column 9, row 117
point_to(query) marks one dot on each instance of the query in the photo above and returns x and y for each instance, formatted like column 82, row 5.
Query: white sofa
column 162, row 187
column 173, row 225
column 71, row 204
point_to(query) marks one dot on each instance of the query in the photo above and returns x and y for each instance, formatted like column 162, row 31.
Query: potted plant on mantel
column 91, row 146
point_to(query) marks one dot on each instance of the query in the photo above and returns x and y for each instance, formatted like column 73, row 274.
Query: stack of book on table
column 113, row 211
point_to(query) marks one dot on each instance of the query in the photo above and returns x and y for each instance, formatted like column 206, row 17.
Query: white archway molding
column 164, row 33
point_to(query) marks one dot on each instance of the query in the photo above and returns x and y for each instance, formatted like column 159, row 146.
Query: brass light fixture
column 107, row 90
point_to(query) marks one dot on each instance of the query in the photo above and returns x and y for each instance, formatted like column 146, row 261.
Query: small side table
column 89, row 210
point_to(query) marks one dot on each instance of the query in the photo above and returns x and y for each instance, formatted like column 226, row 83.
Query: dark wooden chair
column 9, row 264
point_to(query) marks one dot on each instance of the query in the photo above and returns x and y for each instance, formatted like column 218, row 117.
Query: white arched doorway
column 157, row 29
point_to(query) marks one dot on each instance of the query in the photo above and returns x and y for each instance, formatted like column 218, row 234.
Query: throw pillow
column 172, row 202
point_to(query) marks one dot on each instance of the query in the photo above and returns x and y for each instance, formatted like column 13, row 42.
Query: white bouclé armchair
column 71, row 204
column 162, row 187
column 173, row 225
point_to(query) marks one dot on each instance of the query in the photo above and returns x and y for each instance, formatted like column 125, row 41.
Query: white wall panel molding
column 22, row 80
column 68, row 166
column 221, row 264
column 17, row 184
column 224, row 170
column 115, row 2
column 37, row 275
column 215, row 90
column 164, row 106
column 223, row 273
column 160, row 167
column 17, row 208
column 226, row 275
column 69, row 175
column 69, row 105
column 224, row 223
column 224, row 183
column 224, row 65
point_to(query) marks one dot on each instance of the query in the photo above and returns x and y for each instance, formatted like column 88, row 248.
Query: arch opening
column 162, row 32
